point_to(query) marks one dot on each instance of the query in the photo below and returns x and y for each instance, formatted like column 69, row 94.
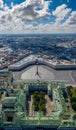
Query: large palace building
column 35, row 106
column 33, row 59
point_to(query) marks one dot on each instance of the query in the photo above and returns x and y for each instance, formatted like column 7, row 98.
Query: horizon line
column 40, row 34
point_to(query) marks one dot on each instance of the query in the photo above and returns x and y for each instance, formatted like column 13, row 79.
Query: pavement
column 45, row 73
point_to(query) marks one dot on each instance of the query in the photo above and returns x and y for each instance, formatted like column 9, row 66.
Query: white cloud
column 61, row 13
column 1, row 3
column 3, row 6
column 22, row 18
column 27, row 11
column 72, row 18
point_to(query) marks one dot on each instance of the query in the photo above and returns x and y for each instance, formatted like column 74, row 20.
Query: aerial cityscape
column 38, row 82
column 37, row 65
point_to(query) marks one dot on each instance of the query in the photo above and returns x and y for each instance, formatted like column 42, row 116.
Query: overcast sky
column 37, row 16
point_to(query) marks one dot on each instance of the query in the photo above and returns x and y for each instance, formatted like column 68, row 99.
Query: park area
column 40, row 102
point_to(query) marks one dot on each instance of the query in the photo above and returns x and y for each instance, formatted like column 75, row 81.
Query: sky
column 37, row 16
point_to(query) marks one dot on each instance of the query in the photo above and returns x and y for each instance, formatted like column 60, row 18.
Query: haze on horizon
column 37, row 16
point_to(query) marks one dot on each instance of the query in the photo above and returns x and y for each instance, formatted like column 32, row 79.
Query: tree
column 39, row 101
column 74, row 106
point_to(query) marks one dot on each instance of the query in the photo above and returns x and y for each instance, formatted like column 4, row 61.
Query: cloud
column 65, row 16
column 72, row 19
column 1, row 3
column 29, row 10
column 29, row 17
column 61, row 13
column 32, row 10
column 17, row 17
